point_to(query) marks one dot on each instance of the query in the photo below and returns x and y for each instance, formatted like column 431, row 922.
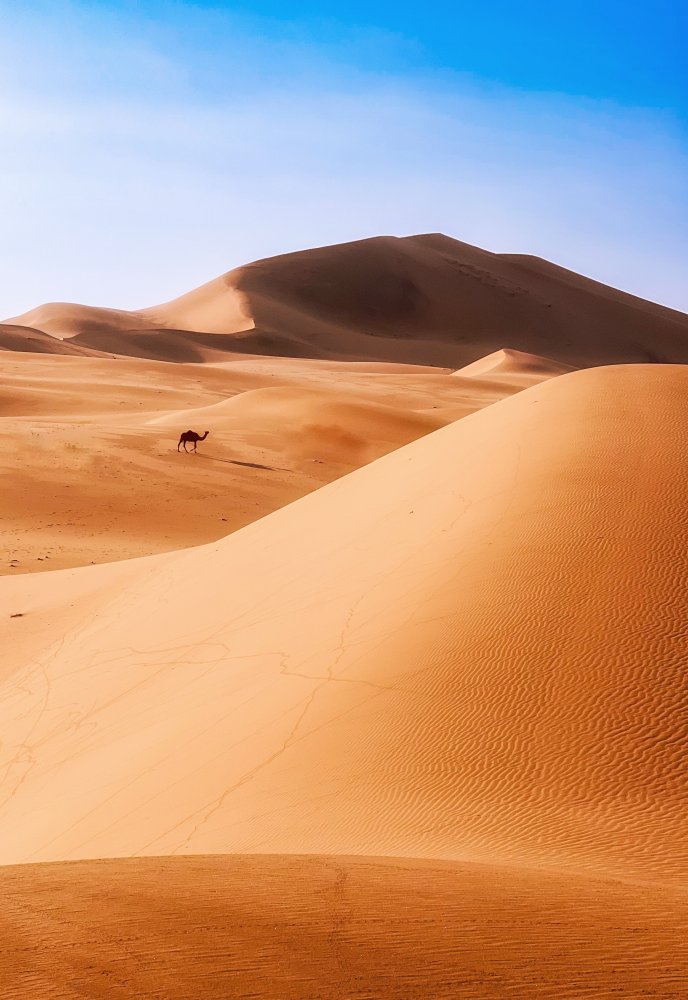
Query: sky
column 146, row 147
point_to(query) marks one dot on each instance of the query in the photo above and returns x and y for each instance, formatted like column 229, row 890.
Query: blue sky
column 146, row 147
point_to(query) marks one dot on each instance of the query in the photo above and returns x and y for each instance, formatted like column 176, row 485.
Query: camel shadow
column 246, row 465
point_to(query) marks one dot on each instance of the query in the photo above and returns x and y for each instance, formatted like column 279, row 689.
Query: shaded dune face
column 491, row 668
column 27, row 340
column 297, row 927
column 421, row 299
column 373, row 285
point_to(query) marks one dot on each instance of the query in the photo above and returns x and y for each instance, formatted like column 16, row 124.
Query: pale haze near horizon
column 139, row 162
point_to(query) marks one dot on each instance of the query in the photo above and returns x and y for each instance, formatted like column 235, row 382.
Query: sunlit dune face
column 409, row 718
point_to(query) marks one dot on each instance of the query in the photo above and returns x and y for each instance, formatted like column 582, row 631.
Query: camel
column 193, row 437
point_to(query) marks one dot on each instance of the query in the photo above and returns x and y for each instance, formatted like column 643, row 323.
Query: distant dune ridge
column 382, row 693
column 421, row 299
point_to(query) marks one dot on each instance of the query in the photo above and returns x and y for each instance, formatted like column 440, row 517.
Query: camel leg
column 179, row 444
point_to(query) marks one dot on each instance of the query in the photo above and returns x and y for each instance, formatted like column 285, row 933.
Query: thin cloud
column 125, row 194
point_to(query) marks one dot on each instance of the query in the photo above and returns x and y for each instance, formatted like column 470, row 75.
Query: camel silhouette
column 193, row 437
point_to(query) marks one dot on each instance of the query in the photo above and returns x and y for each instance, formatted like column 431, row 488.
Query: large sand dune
column 421, row 299
column 470, row 649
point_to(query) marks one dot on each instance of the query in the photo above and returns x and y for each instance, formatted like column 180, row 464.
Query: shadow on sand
column 246, row 465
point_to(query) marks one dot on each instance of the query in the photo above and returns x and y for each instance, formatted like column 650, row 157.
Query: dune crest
column 508, row 362
column 216, row 307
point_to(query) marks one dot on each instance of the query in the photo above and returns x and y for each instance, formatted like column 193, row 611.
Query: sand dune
column 297, row 928
column 216, row 307
column 66, row 319
column 491, row 668
column 513, row 363
column 421, row 299
column 176, row 346
column 508, row 371
column 312, row 423
column 26, row 340
column 77, row 388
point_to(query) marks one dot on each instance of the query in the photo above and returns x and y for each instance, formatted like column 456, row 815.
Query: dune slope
column 468, row 649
